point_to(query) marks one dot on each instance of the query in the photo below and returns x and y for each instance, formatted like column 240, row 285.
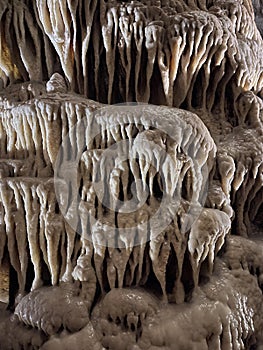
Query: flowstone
column 131, row 172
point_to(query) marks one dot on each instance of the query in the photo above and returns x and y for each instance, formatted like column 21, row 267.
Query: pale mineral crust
column 131, row 173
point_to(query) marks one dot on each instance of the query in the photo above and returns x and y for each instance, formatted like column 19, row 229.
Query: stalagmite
column 131, row 174
column 70, row 240
column 85, row 273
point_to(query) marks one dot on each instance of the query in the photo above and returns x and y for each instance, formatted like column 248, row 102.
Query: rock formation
column 131, row 173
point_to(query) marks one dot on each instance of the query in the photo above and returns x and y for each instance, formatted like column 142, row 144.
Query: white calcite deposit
column 131, row 175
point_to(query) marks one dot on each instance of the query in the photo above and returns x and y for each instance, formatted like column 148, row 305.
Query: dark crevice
column 141, row 88
column 153, row 285
column 197, row 93
column 157, row 96
column 158, row 187
column 104, row 271
column 187, row 276
column 13, row 287
column 45, row 273
column 30, row 275
column 171, row 270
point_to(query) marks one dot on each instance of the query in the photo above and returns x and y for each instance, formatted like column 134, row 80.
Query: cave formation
column 131, row 172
